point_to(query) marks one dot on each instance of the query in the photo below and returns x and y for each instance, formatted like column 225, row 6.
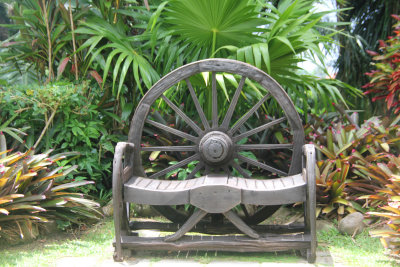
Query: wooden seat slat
column 253, row 190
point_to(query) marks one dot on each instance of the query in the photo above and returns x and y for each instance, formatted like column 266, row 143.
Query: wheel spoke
column 240, row 169
column 175, row 166
column 258, row 129
column 214, row 101
column 247, row 115
column 261, row 165
column 198, row 106
column 226, row 170
column 168, row 148
column 263, row 146
column 182, row 115
column 246, row 213
column 229, row 113
column 208, row 170
column 198, row 167
column 172, row 130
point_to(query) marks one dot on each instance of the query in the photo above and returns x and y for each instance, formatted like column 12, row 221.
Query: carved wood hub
column 216, row 147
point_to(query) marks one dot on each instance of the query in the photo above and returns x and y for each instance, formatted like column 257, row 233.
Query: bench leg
column 187, row 226
column 310, row 203
column 121, row 229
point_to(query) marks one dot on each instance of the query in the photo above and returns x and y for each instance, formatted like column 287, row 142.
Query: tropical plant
column 370, row 21
column 33, row 191
column 64, row 117
column 385, row 80
column 274, row 39
column 386, row 199
column 346, row 150
column 126, row 50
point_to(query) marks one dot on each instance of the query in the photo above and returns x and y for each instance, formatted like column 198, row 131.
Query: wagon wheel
column 216, row 144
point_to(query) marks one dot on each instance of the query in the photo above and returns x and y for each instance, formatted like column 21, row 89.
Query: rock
column 50, row 227
column 325, row 226
column 352, row 224
column 108, row 210
column 145, row 211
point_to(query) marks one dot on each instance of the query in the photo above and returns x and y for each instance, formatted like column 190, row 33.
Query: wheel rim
column 215, row 144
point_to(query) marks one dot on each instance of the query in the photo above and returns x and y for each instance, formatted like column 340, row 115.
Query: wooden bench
column 216, row 194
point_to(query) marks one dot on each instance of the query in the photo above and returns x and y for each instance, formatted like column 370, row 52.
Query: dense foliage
column 74, row 72
column 385, row 79
column 64, row 117
column 346, row 150
column 33, row 190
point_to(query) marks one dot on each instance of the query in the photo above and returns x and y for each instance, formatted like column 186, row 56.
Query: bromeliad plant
column 33, row 191
column 385, row 170
column 345, row 151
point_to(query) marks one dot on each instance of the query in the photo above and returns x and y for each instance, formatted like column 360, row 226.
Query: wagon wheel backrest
column 213, row 141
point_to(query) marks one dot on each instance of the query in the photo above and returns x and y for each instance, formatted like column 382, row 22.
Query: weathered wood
column 263, row 146
column 169, row 148
column 197, row 105
column 310, row 203
column 216, row 149
column 239, row 123
column 219, row 243
column 187, row 226
column 196, row 169
column 231, row 109
column 258, row 129
column 182, row 114
column 216, row 193
column 172, row 130
column 260, row 165
column 176, row 166
column 120, row 217
column 215, row 198
column 214, row 105
column 240, row 224
column 222, row 229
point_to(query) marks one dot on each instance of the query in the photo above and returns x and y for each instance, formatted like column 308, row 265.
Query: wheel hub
column 216, row 147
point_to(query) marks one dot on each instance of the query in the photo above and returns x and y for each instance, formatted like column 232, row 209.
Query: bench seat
column 249, row 191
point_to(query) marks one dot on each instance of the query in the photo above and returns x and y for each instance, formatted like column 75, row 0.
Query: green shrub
column 65, row 117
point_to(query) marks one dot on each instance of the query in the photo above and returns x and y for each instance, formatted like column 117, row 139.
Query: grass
column 96, row 242
column 46, row 250
column 361, row 250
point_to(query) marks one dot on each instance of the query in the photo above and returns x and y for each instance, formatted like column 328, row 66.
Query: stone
column 352, row 224
column 50, row 227
column 108, row 210
column 144, row 211
column 325, row 226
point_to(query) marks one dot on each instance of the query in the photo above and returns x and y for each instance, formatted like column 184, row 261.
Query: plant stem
column 214, row 42
column 73, row 40
column 46, row 20
column 46, row 127
column 3, row 145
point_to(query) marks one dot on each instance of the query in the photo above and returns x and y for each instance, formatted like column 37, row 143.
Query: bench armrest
column 309, row 162
column 120, row 166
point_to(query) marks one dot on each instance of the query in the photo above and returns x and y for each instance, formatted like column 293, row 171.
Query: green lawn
column 361, row 251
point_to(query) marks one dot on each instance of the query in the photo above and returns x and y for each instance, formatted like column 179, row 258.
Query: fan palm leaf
column 212, row 24
column 124, row 55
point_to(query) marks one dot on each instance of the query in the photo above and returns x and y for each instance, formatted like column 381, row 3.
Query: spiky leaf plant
column 386, row 171
column 34, row 190
column 385, row 79
column 346, row 150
